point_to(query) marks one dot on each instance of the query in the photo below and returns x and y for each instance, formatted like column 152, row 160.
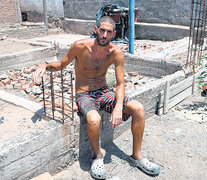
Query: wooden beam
column 166, row 97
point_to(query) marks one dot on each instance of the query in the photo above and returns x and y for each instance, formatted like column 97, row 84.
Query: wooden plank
column 177, row 88
column 166, row 97
column 194, row 85
column 178, row 92
column 175, row 100
column 180, row 97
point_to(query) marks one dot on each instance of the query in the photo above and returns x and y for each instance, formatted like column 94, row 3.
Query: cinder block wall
column 10, row 12
column 152, row 11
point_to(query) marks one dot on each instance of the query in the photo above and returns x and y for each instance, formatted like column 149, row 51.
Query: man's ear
column 114, row 34
column 95, row 29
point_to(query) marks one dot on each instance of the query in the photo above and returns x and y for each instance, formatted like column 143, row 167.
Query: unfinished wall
column 34, row 9
column 153, row 11
column 10, row 12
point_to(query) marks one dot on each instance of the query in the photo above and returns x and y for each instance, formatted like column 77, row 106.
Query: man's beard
column 100, row 44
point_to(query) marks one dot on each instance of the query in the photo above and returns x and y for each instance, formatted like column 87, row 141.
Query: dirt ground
column 176, row 141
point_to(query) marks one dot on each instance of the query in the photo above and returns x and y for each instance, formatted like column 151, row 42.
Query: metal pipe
column 131, row 26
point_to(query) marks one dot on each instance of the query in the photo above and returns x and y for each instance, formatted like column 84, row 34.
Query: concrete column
column 45, row 12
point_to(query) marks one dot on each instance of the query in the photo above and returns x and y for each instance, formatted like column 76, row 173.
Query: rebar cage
column 197, row 33
column 58, row 94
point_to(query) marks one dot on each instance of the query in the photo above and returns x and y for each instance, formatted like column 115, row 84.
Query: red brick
column 8, row 13
column 6, row 81
column 130, row 85
column 25, row 86
column 18, row 86
column 1, row 84
column 32, row 97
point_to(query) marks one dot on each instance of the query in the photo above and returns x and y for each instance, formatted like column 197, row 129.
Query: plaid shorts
column 101, row 99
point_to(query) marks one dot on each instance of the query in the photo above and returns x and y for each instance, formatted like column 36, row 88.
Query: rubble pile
column 195, row 112
column 19, row 81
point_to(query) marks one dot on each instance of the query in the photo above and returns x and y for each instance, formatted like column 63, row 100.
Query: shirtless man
column 92, row 59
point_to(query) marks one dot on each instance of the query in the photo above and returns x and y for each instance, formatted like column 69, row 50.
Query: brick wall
column 9, row 12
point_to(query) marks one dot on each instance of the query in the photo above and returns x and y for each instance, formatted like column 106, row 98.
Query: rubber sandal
column 97, row 169
column 145, row 165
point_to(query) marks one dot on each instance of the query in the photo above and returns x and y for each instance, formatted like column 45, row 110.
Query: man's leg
column 136, row 110
column 93, row 131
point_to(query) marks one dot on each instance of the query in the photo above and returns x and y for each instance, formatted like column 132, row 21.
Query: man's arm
column 56, row 66
column 116, row 116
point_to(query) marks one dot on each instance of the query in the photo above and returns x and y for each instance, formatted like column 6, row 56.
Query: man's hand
column 116, row 117
column 39, row 72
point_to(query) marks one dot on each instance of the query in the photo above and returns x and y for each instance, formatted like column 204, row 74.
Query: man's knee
column 93, row 119
column 135, row 107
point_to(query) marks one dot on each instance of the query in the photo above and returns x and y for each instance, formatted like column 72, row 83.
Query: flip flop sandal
column 97, row 169
column 145, row 165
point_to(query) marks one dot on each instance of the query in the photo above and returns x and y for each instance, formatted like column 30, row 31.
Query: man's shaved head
column 107, row 19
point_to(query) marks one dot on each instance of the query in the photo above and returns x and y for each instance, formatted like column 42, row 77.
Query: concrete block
column 163, row 32
column 25, row 32
column 28, row 57
column 151, row 31
column 79, row 26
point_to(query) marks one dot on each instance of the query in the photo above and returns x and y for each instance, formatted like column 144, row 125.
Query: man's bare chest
column 95, row 62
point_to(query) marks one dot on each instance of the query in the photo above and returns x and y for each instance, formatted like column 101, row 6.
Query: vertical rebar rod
column 71, row 76
column 52, row 94
column 190, row 36
column 200, row 37
column 43, row 93
column 197, row 33
column 193, row 49
column 198, row 12
column 202, row 34
column 192, row 31
column 63, row 118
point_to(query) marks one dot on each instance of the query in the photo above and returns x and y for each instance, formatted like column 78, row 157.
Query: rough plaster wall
column 153, row 11
column 9, row 12
column 55, row 7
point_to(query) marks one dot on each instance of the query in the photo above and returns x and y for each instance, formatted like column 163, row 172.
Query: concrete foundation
column 25, row 32
column 152, row 31
column 56, row 145
column 28, row 57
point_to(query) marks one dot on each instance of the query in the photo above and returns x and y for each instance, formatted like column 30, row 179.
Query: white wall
column 55, row 7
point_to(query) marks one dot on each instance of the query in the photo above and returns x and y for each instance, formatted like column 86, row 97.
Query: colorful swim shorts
column 101, row 99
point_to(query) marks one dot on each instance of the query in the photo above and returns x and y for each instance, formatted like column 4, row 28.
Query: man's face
column 105, row 33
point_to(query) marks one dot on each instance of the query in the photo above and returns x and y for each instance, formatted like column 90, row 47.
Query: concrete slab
column 142, row 30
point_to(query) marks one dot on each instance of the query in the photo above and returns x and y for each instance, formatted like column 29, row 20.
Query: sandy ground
column 176, row 141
